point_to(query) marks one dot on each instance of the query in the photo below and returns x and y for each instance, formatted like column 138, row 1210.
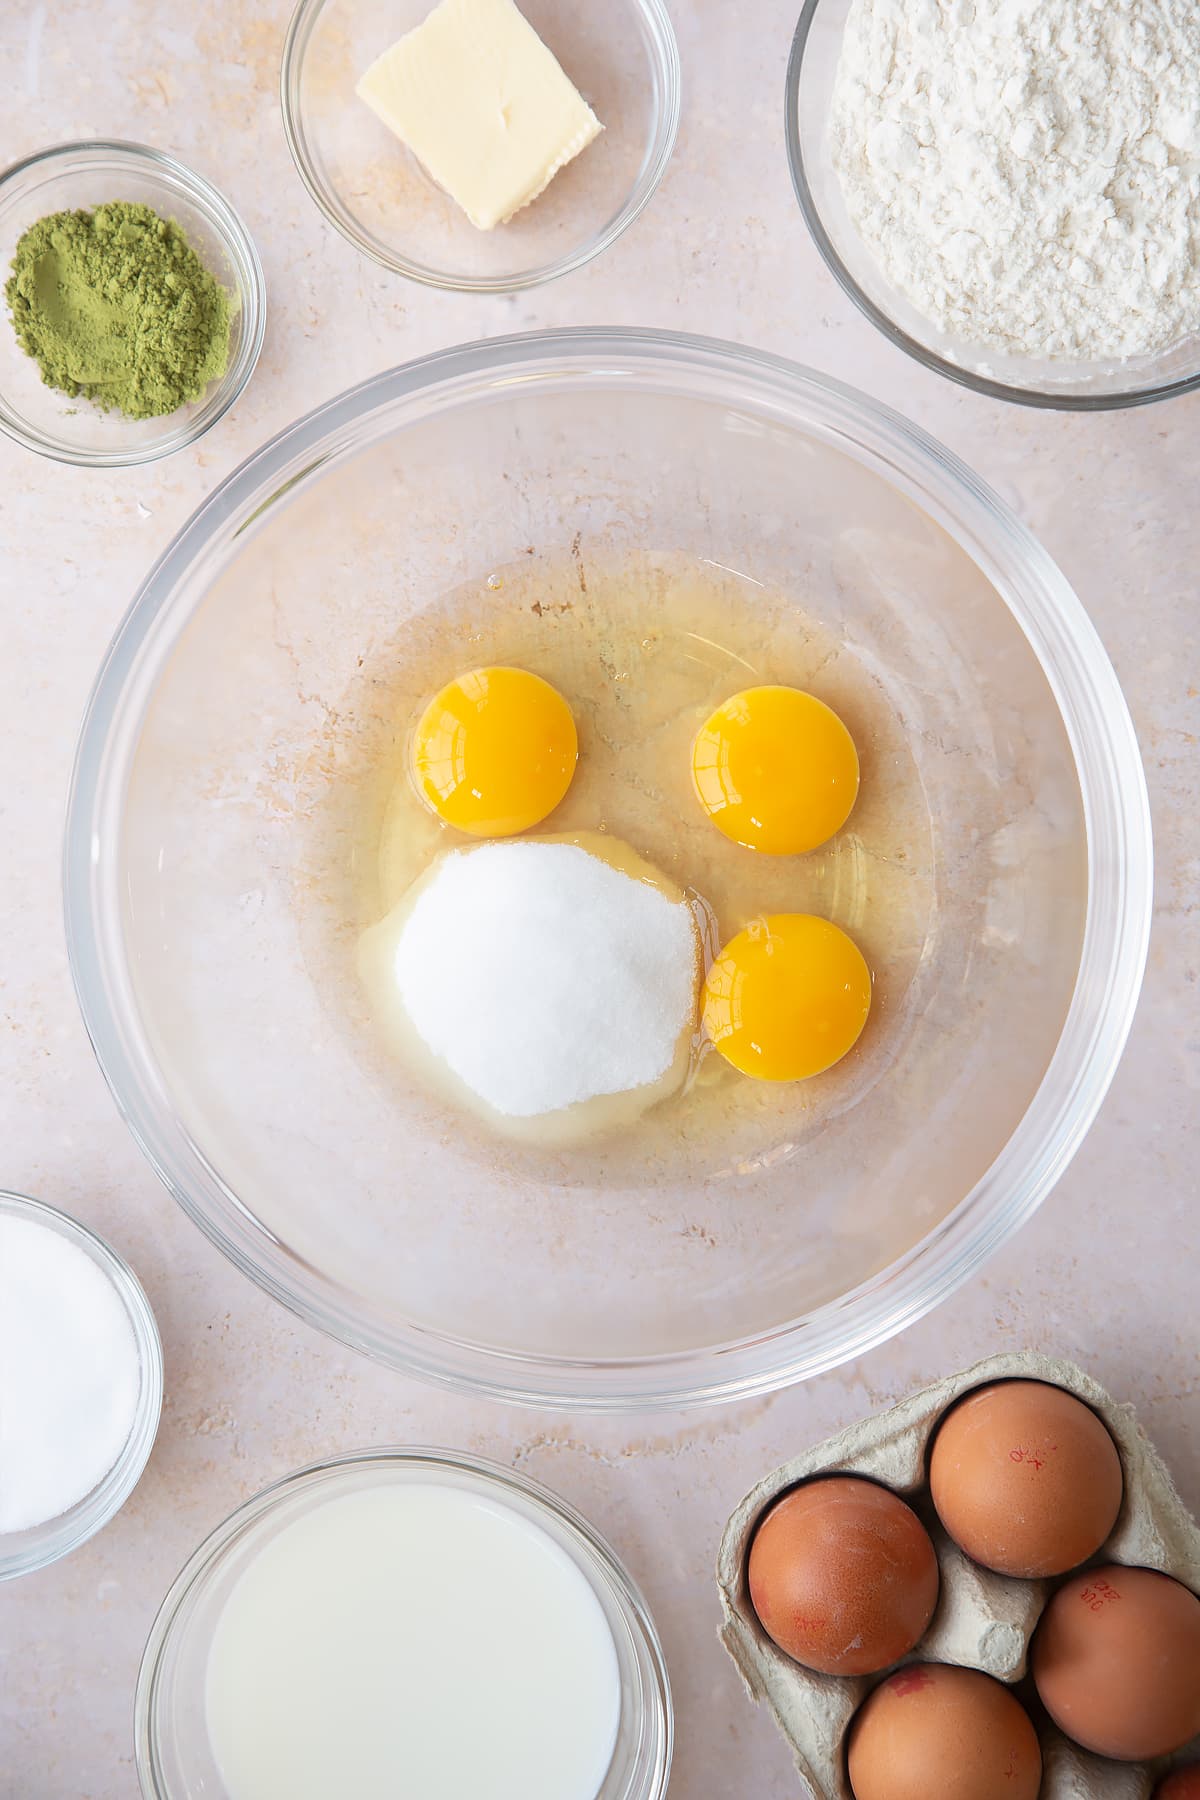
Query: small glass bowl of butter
column 481, row 145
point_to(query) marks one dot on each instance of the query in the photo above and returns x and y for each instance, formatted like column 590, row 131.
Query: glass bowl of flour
column 618, row 511
column 1011, row 194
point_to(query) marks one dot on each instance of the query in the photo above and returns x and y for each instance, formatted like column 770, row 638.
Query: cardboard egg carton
column 982, row 1621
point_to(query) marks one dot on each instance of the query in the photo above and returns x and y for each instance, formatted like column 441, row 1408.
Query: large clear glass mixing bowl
column 211, row 956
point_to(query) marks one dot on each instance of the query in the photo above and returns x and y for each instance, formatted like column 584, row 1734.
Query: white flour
column 1027, row 172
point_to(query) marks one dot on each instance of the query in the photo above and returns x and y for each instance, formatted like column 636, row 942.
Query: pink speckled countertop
column 1103, row 1275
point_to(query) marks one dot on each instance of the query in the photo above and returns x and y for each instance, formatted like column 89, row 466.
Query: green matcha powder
column 116, row 306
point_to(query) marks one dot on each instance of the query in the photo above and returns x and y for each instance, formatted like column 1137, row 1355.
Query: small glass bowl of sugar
column 81, row 1384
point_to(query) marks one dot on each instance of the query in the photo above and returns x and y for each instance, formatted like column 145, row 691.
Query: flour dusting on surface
column 1027, row 172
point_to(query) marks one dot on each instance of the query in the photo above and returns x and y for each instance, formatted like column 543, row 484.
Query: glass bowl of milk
column 404, row 1620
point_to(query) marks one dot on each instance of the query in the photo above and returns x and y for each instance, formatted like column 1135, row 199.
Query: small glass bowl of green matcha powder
column 133, row 303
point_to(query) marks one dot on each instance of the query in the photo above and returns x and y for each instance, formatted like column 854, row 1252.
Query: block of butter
column 483, row 104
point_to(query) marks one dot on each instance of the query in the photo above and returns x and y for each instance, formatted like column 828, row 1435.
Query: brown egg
column 843, row 1576
column 1116, row 1660
column 931, row 1732
column 1025, row 1478
column 1181, row 1784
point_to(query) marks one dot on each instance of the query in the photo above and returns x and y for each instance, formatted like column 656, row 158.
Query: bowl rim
column 1113, row 953
column 24, row 1552
column 929, row 359
column 668, row 79
column 604, row 1564
column 228, row 224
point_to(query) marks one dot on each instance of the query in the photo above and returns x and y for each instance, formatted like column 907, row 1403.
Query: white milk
column 412, row 1642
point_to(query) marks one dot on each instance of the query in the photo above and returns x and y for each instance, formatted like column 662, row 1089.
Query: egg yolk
column 787, row 997
column 776, row 770
column 494, row 751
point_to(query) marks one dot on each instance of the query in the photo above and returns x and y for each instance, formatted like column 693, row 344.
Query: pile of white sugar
column 69, row 1374
column 1027, row 172
column 542, row 976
